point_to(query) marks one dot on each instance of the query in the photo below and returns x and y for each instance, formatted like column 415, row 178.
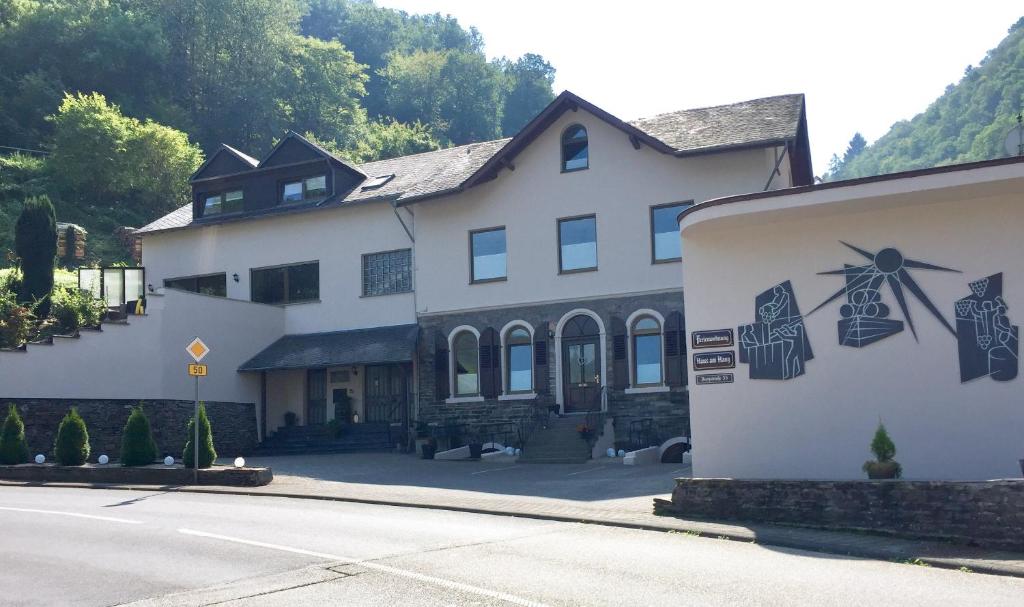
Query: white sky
column 863, row 65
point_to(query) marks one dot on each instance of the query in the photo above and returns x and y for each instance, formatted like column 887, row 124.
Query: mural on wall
column 864, row 316
column 775, row 345
column 987, row 342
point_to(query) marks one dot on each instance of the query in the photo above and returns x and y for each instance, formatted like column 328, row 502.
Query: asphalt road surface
column 103, row 547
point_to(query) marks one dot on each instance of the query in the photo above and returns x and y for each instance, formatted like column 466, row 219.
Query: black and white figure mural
column 987, row 342
column 864, row 318
column 775, row 345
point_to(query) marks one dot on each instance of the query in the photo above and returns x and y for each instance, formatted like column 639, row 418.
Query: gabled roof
column 292, row 136
column 239, row 161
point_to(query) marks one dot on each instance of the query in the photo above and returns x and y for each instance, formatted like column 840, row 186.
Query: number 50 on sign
column 197, row 370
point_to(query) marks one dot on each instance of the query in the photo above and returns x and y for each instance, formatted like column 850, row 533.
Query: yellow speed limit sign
column 197, row 370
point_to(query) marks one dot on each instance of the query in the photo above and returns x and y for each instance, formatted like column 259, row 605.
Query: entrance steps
column 301, row 440
column 557, row 442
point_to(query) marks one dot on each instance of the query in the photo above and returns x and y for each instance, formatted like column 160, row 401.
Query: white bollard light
column 510, row 450
column 103, row 459
column 168, row 461
column 239, row 462
column 610, row 452
column 519, row 451
column 40, row 458
column 622, row 453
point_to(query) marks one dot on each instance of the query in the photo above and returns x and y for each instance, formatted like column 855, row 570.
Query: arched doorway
column 581, row 364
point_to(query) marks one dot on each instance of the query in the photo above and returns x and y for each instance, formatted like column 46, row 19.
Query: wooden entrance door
column 581, row 365
column 316, row 397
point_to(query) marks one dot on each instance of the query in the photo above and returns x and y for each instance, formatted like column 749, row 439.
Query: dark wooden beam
column 635, row 142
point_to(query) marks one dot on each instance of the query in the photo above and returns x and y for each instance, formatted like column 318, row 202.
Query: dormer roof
column 225, row 161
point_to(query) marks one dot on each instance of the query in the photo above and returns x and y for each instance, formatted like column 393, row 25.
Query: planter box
column 145, row 475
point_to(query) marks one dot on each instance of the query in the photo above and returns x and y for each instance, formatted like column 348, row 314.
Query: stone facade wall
column 670, row 410
column 233, row 424
column 987, row 513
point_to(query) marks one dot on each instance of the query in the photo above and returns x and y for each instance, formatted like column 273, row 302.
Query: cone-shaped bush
column 137, row 445
column 35, row 241
column 13, row 448
column 882, row 446
column 72, row 445
column 206, row 452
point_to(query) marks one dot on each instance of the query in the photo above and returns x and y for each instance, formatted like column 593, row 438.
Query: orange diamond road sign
column 197, row 370
column 197, row 350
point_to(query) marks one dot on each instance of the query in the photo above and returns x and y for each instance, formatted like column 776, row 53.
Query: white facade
column 619, row 187
column 820, row 424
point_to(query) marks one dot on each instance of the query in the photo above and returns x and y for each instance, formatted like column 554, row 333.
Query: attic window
column 575, row 149
column 377, row 182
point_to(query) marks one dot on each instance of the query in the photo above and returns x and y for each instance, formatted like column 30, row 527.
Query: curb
column 700, row 529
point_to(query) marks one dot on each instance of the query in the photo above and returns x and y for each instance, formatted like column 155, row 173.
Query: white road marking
column 429, row 579
column 597, row 467
column 109, row 519
column 494, row 470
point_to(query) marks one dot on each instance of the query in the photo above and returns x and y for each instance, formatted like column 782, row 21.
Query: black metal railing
column 642, row 433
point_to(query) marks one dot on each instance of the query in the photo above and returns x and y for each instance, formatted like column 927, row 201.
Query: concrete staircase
column 556, row 443
column 300, row 440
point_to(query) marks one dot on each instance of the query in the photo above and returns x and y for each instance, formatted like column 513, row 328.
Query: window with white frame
column 519, row 360
column 466, row 356
column 647, row 367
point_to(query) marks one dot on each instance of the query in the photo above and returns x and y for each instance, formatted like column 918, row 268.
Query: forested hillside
column 968, row 122
column 177, row 78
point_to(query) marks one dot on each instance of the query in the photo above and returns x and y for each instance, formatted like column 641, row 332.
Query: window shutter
column 541, row 380
column 620, row 364
column 489, row 363
column 441, row 365
column 675, row 350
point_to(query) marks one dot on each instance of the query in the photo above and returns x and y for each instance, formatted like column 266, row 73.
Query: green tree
column 390, row 139
column 137, row 445
column 207, row 454
column 35, row 241
column 855, row 147
column 528, row 90
column 72, row 445
column 13, row 448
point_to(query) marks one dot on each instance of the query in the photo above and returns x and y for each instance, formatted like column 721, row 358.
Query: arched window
column 519, row 357
column 466, row 355
column 575, row 149
column 646, row 334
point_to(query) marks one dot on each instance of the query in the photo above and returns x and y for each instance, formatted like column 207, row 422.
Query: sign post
column 198, row 351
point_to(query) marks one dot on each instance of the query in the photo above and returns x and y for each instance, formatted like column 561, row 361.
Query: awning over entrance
column 338, row 348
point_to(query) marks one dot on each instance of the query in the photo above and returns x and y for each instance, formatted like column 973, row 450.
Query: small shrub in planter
column 16, row 321
column 883, row 466
column 206, row 452
column 137, row 445
column 73, row 309
column 13, row 448
column 429, row 448
column 72, row 445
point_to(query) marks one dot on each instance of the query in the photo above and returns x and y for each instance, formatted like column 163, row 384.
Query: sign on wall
column 714, row 338
column 706, row 361
column 711, row 379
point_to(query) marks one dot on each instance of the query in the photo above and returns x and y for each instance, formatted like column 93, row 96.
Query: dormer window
column 575, row 149
column 220, row 204
column 310, row 188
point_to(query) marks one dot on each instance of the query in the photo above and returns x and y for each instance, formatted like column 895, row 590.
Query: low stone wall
column 148, row 475
column 987, row 513
column 233, row 424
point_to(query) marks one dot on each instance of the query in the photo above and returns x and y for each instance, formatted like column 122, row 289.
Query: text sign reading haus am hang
column 706, row 361
column 714, row 338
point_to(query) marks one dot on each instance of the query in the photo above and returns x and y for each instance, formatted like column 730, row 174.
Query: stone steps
column 296, row 440
column 556, row 443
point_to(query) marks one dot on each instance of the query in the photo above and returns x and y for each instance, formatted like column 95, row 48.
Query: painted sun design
column 888, row 266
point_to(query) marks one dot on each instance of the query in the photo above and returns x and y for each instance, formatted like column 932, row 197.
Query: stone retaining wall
column 988, row 513
column 233, row 424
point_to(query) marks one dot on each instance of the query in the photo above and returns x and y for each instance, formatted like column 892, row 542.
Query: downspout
column 778, row 163
column 411, row 233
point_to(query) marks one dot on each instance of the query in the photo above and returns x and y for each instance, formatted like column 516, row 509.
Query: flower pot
column 882, row 470
column 428, row 451
column 475, row 450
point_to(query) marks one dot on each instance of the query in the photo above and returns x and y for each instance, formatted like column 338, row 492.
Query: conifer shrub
column 137, row 445
column 35, row 242
column 13, row 448
column 206, row 452
column 884, row 450
column 72, row 445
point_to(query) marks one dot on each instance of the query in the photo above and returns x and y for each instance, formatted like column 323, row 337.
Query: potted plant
column 290, row 418
column 883, row 466
column 476, row 446
column 585, row 431
column 429, row 448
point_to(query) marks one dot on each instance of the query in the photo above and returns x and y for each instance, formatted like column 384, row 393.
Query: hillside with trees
column 968, row 122
column 121, row 99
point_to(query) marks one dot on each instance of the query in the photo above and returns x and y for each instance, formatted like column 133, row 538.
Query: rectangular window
column 387, row 273
column 316, row 187
column 665, row 231
column 211, row 284
column 488, row 250
column 647, row 352
column 577, row 242
column 219, row 204
column 286, row 284
column 520, row 367
column 292, row 192
column 310, row 188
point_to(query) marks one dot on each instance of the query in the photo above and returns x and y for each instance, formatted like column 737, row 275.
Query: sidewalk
column 594, row 493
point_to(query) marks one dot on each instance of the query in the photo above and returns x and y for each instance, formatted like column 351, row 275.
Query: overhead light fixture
column 235, row 276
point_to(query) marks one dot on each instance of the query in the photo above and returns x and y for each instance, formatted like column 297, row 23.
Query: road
column 61, row 546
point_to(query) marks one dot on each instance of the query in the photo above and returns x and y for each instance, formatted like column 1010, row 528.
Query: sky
column 863, row 65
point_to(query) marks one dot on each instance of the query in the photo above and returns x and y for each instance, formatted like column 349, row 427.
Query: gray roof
column 429, row 174
column 337, row 348
column 737, row 124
